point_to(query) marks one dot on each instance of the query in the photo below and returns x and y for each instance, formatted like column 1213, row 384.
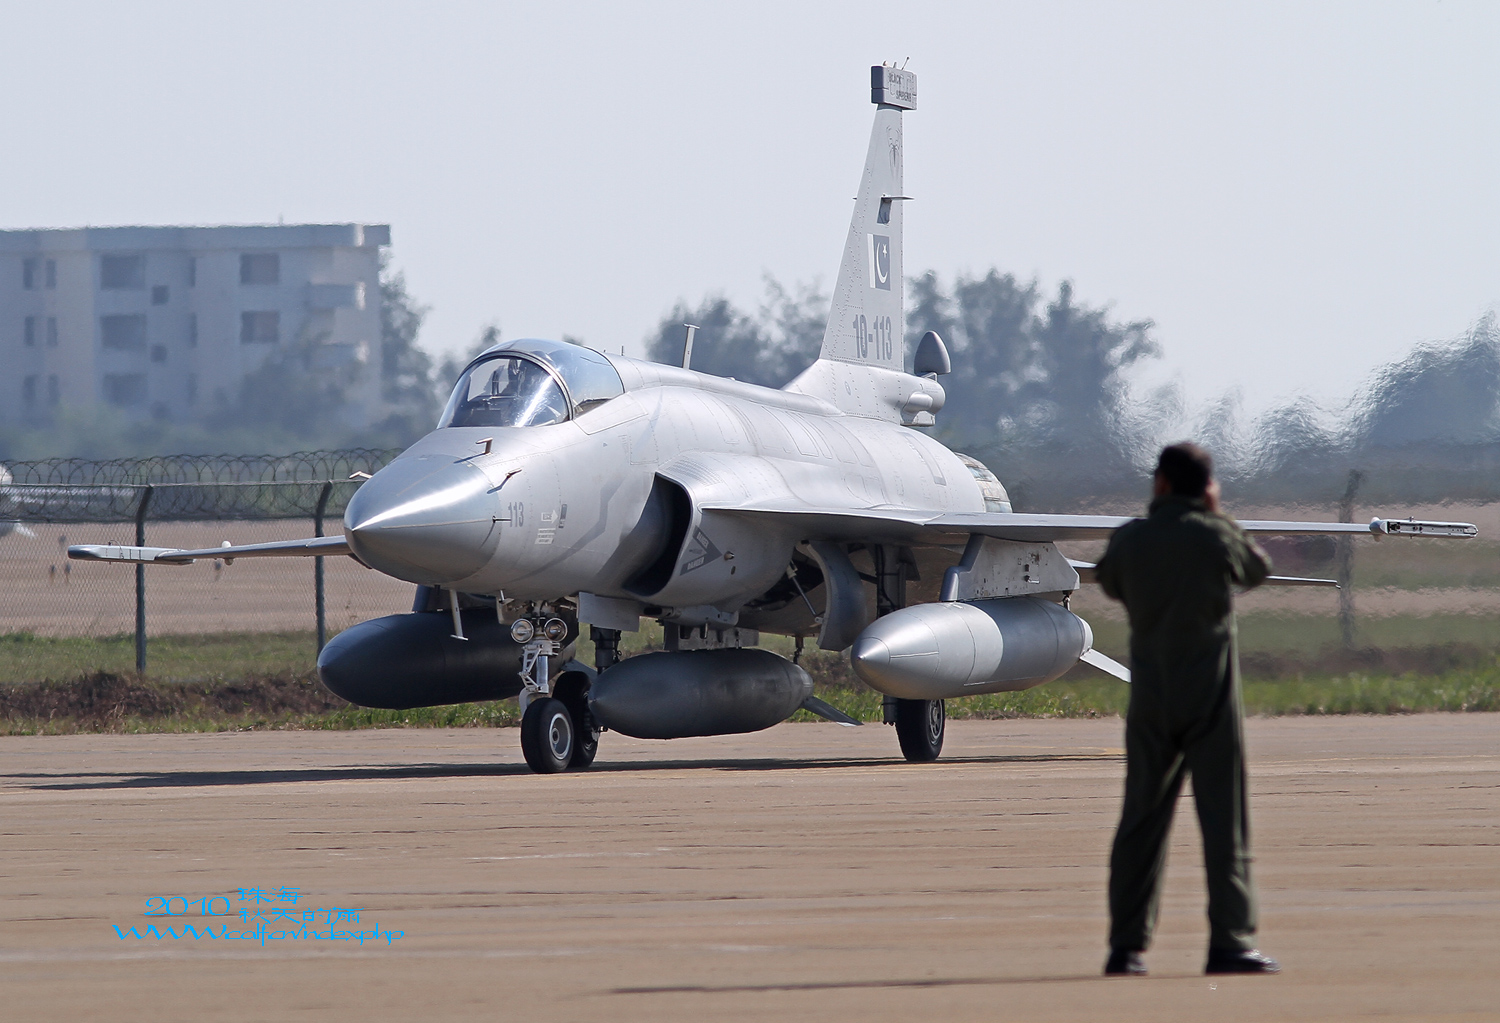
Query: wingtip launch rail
column 316, row 547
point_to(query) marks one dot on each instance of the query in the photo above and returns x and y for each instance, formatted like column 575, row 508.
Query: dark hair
column 1187, row 468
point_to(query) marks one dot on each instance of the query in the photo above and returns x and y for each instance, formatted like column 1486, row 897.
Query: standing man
column 1175, row 571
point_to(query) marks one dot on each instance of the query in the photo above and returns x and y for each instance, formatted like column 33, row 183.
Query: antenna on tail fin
column 866, row 319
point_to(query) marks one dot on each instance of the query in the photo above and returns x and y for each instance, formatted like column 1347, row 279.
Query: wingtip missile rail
column 132, row 555
column 1423, row 527
column 1377, row 527
column 326, row 546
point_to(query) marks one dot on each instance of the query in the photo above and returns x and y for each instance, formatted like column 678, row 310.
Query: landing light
column 521, row 630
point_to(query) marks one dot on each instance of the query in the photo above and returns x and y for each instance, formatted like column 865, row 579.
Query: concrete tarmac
column 802, row 873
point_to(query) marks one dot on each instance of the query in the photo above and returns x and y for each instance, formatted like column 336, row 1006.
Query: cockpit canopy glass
column 506, row 390
column 531, row 383
column 589, row 377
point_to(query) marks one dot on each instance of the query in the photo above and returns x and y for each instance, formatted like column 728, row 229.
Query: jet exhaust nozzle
column 961, row 648
column 698, row 692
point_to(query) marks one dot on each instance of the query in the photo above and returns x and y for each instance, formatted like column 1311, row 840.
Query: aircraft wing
column 319, row 546
column 904, row 526
column 1087, row 574
column 1044, row 528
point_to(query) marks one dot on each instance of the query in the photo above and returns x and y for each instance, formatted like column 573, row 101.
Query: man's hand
column 1161, row 487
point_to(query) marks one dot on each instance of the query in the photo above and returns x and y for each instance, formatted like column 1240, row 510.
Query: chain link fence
column 60, row 618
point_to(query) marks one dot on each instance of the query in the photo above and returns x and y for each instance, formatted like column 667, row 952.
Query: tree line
column 1041, row 391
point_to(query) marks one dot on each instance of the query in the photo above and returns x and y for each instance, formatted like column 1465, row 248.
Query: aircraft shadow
column 101, row 780
column 853, row 985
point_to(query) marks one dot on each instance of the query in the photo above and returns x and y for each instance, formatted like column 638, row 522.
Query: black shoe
column 1249, row 960
column 1124, row 962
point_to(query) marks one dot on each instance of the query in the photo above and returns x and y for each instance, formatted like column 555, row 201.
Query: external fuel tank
column 960, row 648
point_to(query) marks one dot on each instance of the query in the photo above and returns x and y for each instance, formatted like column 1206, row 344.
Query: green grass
column 266, row 680
column 1411, row 693
column 1291, row 636
column 1082, row 694
column 25, row 657
column 185, row 710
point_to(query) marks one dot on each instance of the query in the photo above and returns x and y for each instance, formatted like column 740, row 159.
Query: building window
column 54, row 390
column 28, row 332
column 192, row 330
column 52, row 332
column 158, row 353
column 51, row 274
column 28, row 274
column 160, row 294
column 125, row 389
column 122, row 272
column 260, row 328
column 192, row 271
column 28, row 391
column 123, row 333
column 260, row 268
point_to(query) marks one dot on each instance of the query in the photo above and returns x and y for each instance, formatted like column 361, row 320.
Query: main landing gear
column 919, row 723
column 919, row 728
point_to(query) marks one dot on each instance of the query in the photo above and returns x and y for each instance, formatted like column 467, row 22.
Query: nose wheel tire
column 547, row 736
column 919, row 727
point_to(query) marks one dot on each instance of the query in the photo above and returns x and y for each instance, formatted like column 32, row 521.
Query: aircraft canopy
column 531, row 382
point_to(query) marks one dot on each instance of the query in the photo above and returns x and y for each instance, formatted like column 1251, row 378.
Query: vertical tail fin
column 866, row 319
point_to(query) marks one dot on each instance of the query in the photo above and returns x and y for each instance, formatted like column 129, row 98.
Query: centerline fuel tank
column 698, row 692
column 960, row 648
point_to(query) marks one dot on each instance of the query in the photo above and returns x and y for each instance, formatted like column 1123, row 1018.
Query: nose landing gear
column 557, row 731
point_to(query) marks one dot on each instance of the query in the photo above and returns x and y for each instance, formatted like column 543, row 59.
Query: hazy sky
column 1294, row 193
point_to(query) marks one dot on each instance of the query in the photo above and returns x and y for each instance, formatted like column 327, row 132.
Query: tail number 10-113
column 874, row 334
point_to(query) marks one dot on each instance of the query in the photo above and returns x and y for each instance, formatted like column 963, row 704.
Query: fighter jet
column 565, row 486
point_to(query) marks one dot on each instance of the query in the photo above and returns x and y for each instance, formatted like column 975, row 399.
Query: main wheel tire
column 547, row 736
column 585, row 749
column 585, row 729
column 919, row 727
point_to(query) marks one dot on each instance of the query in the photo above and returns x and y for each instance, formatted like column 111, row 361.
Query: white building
column 166, row 321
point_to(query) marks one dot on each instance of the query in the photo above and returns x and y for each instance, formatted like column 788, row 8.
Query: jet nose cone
column 425, row 519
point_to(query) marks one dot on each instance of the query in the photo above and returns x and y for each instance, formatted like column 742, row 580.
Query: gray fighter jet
column 564, row 486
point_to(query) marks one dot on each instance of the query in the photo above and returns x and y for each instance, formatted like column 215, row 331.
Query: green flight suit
column 1175, row 571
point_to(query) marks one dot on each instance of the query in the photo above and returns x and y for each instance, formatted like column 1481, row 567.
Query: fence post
column 1346, row 561
column 140, row 581
column 319, row 600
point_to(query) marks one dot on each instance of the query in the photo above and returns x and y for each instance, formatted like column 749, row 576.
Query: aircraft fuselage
column 542, row 512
